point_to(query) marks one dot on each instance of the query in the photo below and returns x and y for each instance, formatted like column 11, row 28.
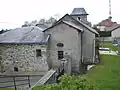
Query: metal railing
column 12, row 81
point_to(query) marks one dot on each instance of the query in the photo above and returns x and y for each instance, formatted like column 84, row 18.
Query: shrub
column 69, row 83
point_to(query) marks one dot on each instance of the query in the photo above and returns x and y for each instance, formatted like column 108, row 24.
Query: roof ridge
column 70, row 23
column 87, row 26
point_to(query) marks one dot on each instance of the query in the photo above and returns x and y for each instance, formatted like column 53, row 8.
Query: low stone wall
column 24, row 57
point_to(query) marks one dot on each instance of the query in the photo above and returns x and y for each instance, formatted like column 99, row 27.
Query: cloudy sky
column 13, row 13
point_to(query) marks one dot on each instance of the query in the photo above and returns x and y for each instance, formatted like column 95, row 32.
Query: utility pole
column 110, row 8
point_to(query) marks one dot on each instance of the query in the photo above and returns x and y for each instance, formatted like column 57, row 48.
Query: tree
column 51, row 20
column 43, row 21
column 26, row 23
column 33, row 23
column 2, row 31
column 57, row 16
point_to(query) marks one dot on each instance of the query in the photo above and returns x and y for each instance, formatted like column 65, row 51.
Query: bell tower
column 79, row 14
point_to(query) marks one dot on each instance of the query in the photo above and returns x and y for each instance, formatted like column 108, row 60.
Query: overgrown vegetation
column 69, row 83
column 3, row 31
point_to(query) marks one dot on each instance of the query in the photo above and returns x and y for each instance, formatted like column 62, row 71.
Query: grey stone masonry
column 23, row 56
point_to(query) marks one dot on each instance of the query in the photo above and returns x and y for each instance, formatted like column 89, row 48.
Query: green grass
column 109, row 45
column 106, row 75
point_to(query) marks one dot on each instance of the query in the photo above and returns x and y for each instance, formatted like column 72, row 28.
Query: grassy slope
column 106, row 75
column 109, row 45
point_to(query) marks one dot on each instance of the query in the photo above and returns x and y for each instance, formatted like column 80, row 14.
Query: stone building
column 30, row 49
column 77, row 39
column 24, row 49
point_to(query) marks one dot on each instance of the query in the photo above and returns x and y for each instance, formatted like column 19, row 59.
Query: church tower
column 80, row 14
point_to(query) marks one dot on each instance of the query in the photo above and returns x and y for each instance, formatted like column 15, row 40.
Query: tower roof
column 79, row 11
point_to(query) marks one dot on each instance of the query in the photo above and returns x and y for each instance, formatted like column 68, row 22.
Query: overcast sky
column 13, row 13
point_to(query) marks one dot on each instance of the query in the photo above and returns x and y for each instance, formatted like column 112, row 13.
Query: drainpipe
column 94, row 50
column 81, row 47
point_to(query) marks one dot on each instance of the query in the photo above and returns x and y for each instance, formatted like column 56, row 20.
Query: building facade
column 29, row 49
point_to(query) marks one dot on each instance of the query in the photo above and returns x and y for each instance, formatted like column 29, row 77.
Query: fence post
column 29, row 81
column 14, row 83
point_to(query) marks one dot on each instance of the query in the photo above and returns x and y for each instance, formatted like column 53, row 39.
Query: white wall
column 102, row 28
column 116, row 33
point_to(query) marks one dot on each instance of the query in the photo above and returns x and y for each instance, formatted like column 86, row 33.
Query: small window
column 0, row 52
column 38, row 53
column 60, row 55
column 0, row 57
column 60, row 45
column 16, row 69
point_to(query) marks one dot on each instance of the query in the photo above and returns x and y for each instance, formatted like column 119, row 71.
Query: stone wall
column 24, row 57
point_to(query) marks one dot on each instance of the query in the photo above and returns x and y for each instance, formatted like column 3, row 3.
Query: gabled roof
column 88, row 27
column 85, row 25
column 31, row 34
column 73, row 25
column 114, row 27
column 107, row 23
column 81, row 23
column 67, row 23
column 79, row 11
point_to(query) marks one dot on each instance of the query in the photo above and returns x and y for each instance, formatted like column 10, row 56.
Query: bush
column 69, row 83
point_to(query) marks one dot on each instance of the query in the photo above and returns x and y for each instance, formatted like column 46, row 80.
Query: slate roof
column 88, row 27
column 42, row 26
column 31, row 34
column 73, row 24
column 112, row 28
column 67, row 23
column 107, row 23
column 79, row 11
